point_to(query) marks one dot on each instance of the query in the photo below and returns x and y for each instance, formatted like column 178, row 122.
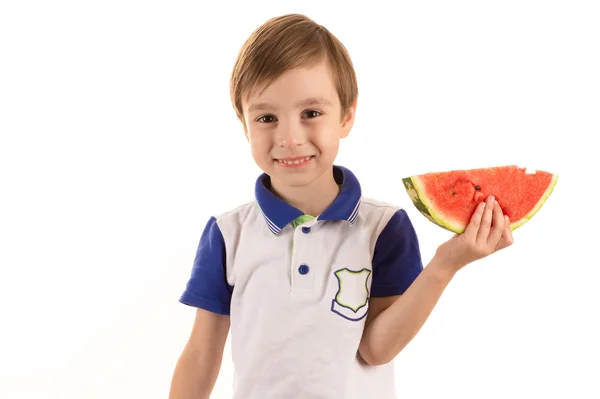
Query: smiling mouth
column 296, row 161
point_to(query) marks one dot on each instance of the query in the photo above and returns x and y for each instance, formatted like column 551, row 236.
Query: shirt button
column 306, row 230
column 303, row 269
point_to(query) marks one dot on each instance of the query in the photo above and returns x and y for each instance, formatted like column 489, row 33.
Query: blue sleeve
column 397, row 258
column 207, row 287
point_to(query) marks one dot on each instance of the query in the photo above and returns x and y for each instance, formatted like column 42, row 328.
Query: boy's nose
column 290, row 136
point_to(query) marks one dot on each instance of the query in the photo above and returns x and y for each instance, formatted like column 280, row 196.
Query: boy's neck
column 312, row 199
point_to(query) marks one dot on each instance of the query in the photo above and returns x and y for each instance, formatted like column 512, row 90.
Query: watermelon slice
column 448, row 199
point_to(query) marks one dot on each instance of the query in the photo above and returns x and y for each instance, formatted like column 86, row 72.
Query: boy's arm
column 209, row 292
column 198, row 367
column 394, row 321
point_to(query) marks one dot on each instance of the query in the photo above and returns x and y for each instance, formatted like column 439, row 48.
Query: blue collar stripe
column 354, row 215
column 271, row 225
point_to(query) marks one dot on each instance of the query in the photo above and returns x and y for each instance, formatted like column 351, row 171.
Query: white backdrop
column 118, row 141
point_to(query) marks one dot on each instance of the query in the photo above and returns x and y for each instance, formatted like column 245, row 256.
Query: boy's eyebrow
column 313, row 101
column 303, row 103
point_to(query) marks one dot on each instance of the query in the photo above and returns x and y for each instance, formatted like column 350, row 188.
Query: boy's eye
column 271, row 118
column 266, row 119
column 312, row 113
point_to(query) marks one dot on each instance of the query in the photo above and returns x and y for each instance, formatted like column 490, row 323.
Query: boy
column 321, row 287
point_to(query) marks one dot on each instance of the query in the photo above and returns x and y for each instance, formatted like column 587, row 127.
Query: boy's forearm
column 388, row 333
column 193, row 379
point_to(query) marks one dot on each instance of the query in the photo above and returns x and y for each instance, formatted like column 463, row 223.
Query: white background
column 118, row 141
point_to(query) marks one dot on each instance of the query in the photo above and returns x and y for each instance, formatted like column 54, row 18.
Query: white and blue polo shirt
column 297, row 290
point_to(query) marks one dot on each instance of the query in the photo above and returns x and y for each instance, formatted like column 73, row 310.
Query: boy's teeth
column 295, row 162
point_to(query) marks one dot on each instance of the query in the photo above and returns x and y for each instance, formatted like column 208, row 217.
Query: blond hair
column 288, row 42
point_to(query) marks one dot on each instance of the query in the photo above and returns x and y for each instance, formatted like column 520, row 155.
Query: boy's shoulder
column 239, row 212
column 372, row 203
column 370, row 207
column 383, row 216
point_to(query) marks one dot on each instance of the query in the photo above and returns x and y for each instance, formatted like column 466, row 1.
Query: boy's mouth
column 294, row 161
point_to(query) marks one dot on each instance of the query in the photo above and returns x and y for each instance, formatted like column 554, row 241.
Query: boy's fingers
column 498, row 228
column 486, row 221
column 473, row 226
column 507, row 235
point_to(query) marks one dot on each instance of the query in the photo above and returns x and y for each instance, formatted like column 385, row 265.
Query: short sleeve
column 207, row 287
column 397, row 257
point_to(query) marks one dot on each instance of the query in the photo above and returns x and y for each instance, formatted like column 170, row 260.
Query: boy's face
column 294, row 126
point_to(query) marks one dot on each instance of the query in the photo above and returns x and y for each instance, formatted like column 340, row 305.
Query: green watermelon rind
column 415, row 190
column 424, row 206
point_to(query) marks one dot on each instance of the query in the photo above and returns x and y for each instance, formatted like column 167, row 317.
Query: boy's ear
column 348, row 119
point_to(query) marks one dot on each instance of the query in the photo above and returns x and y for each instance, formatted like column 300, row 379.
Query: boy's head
column 294, row 89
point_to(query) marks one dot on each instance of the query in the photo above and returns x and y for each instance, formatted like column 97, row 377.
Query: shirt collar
column 279, row 213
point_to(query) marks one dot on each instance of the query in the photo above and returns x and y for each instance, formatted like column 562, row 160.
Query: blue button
column 306, row 230
column 303, row 269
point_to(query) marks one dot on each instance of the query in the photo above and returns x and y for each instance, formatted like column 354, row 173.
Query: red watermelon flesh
column 449, row 199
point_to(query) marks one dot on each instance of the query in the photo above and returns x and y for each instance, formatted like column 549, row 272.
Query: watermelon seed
column 477, row 188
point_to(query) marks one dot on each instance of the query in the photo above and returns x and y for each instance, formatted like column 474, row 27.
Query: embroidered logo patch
column 352, row 296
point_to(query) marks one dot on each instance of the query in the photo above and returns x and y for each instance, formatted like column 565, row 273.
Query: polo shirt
column 297, row 290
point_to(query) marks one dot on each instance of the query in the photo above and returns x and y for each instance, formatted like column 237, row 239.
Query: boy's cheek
column 258, row 140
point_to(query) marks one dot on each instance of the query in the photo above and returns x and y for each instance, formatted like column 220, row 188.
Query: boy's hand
column 487, row 232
